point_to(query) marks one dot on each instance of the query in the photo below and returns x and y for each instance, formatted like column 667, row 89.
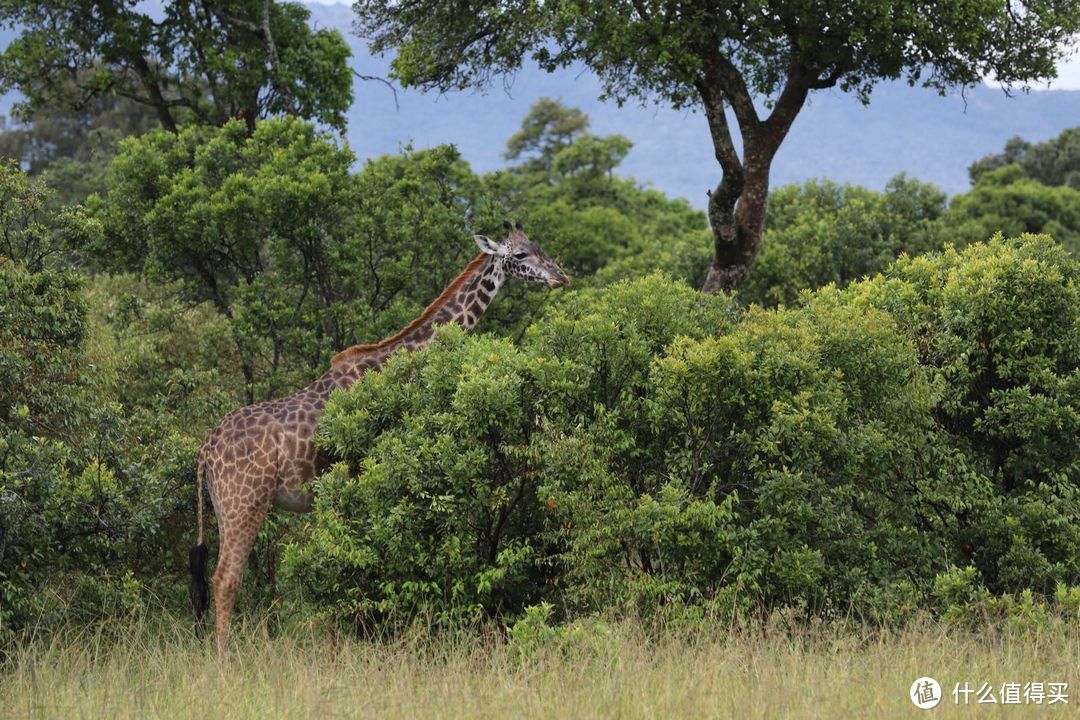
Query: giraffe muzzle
column 558, row 279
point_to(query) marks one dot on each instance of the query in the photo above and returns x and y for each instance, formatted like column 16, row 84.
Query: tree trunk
column 153, row 90
column 737, row 206
column 737, row 215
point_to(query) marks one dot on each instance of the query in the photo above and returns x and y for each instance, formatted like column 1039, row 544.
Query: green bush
column 438, row 509
column 90, row 487
column 821, row 232
column 106, row 386
column 434, row 510
column 42, row 320
column 1005, row 200
column 997, row 326
column 649, row 450
column 783, row 461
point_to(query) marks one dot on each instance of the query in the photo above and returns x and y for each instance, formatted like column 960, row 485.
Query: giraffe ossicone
column 264, row 455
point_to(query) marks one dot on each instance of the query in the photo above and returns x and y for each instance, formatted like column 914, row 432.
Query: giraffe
column 264, row 455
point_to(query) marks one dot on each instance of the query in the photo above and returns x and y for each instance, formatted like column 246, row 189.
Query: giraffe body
column 264, row 455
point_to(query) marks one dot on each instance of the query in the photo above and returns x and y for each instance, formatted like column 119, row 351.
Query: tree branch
column 157, row 99
column 791, row 100
column 719, row 129
column 720, row 72
column 829, row 80
column 262, row 29
column 384, row 81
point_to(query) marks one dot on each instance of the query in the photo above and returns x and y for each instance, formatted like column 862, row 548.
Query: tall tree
column 758, row 60
column 208, row 60
column 72, row 149
column 1053, row 162
column 549, row 127
column 300, row 255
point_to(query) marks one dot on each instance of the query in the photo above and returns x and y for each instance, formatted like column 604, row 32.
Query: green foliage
column 820, row 233
column 303, row 257
column 660, row 48
column 749, row 479
column 996, row 325
column 205, row 63
column 434, row 511
column 72, row 149
column 41, row 321
column 103, row 393
column 413, row 213
column 547, row 128
column 1015, row 149
column 695, row 54
column 106, row 394
column 34, row 234
column 962, row 600
column 1006, row 200
column 647, row 451
column 537, row 635
column 887, row 445
column 600, row 227
column 1054, row 162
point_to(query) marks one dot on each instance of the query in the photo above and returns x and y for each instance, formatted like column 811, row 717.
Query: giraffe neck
column 463, row 301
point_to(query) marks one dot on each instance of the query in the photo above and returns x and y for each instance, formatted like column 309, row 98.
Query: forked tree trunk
column 737, row 215
column 737, row 206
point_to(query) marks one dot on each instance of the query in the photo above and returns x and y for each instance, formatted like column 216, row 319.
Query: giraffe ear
column 487, row 245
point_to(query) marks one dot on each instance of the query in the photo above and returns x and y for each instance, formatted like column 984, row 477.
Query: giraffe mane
column 470, row 269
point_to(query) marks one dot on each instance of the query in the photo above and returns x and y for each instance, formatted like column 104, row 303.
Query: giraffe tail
column 199, row 557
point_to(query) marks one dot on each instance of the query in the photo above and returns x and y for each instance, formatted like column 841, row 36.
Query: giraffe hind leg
column 237, row 536
column 243, row 495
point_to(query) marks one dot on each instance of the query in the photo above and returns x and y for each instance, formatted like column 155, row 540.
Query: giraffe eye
column 521, row 255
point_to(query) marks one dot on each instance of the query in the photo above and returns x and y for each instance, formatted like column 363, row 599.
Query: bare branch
column 384, row 81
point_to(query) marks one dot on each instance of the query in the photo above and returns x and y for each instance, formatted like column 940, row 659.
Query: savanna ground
column 145, row 669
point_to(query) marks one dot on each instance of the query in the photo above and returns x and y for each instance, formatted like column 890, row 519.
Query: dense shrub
column 435, row 509
column 105, row 385
column 42, row 319
column 1006, row 200
column 821, row 232
column 93, row 485
column 647, row 449
column 781, row 461
column 997, row 325
column 440, row 509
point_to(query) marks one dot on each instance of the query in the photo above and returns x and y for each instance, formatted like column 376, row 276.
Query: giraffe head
column 523, row 259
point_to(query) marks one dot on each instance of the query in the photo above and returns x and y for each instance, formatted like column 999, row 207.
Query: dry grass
column 147, row 672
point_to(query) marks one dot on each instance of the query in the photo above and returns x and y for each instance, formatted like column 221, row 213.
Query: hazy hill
column 903, row 129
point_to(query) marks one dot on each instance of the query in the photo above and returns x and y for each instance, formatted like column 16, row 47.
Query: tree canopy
column 207, row 61
column 1054, row 162
column 721, row 57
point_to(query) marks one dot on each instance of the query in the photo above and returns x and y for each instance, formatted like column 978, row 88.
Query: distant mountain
column 904, row 129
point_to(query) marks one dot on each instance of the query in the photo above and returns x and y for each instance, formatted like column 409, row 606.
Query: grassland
column 151, row 670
